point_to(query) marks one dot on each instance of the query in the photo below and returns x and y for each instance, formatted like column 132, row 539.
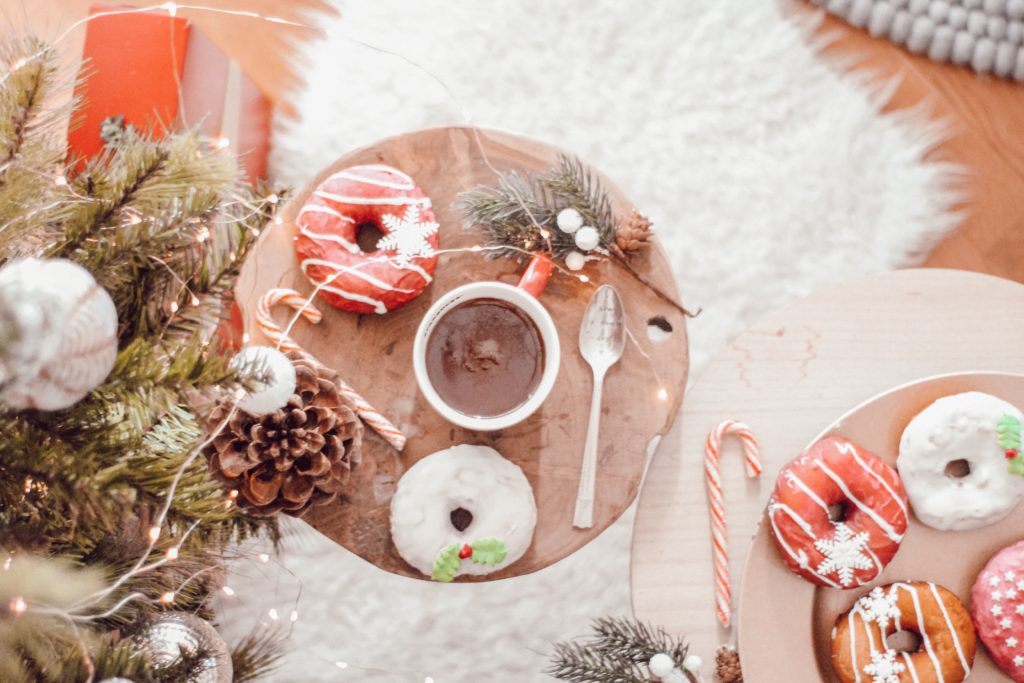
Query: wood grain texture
column 266, row 51
column 983, row 116
column 374, row 354
column 789, row 377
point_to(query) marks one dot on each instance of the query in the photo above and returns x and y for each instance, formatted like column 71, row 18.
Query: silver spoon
column 602, row 338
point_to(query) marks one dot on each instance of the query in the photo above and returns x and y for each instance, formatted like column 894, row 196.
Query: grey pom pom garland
column 986, row 35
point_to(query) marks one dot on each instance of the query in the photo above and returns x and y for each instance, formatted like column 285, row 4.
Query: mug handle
column 536, row 275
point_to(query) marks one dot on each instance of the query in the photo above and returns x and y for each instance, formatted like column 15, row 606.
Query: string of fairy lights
column 85, row 610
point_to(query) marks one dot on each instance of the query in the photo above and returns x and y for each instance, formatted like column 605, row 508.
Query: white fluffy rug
column 767, row 175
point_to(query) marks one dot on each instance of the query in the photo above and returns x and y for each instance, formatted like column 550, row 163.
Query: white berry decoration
column 661, row 665
column 569, row 221
column 587, row 238
column 60, row 334
column 574, row 260
column 275, row 377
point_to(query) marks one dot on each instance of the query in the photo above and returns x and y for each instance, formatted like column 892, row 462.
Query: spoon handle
column 584, row 516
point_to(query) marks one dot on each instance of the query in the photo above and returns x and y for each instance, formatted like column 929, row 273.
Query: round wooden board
column 924, row 555
column 789, row 377
column 374, row 354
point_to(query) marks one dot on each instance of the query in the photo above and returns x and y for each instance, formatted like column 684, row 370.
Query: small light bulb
column 544, row 233
column 7, row 563
column 584, row 278
column 264, row 558
column 272, row 613
column 154, row 533
column 60, row 180
column 223, row 142
column 20, row 63
column 341, row 665
column 167, row 598
column 294, row 616
column 174, row 307
column 203, row 234
column 662, row 393
column 171, row 8
column 228, row 591
column 18, row 605
column 233, row 493
column 172, row 553
column 273, row 198
column 194, row 300
column 245, row 337
column 476, row 247
column 428, row 679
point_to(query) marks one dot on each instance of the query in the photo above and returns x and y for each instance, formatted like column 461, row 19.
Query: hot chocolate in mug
column 486, row 354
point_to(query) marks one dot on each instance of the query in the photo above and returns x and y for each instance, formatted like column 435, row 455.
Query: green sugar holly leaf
column 1008, row 430
column 1016, row 466
column 447, row 564
column 488, row 551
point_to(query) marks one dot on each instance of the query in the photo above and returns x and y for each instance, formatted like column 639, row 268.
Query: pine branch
column 256, row 655
column 618, row 652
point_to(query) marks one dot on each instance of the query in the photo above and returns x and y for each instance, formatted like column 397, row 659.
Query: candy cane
column 307, row 310
column 723, row 595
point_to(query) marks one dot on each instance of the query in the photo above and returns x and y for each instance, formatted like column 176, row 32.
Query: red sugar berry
column 465, row 553
column 1011, row 453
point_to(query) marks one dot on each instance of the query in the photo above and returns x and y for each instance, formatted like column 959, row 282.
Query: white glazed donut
column 475, row 479
column 959, row 427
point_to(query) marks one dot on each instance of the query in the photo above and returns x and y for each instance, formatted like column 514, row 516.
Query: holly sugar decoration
column 273, row 374
column 487, row 551
column 58, row 330
column 1008, row 432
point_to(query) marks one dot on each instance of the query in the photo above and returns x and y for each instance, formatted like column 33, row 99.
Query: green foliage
column 256, row 655
column 1008, row 430
column 617, row 652
column 447, row 564
column 488, row 551
column 164, row 226
column 513, row 213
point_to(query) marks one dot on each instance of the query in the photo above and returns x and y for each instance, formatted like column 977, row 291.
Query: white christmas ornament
column 58, row 330
column 574, row 260
column 587, row 238
column 274, row 373
column 661, row 665
column 569, row 221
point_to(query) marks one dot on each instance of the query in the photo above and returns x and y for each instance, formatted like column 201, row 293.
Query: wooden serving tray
column 374, row 354
column 949, row 558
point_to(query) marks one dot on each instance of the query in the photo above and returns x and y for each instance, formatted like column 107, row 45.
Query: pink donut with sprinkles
column 997, row 609
column 838, row 514
column 326, row 245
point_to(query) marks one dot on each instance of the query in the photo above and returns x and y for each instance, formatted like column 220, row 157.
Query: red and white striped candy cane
column 307, row 310
column 751, row 450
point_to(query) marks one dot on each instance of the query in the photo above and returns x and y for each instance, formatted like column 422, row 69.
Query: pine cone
column 727, row 665
column 293, row 458
column 634, row 233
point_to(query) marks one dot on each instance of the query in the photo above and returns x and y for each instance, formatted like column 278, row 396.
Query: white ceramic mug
column 524, row 297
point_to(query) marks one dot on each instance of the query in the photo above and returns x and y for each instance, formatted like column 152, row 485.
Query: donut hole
column 837, row 512
column 461, row 518
column 958, row 469
column 367, row 237
column 903, row 641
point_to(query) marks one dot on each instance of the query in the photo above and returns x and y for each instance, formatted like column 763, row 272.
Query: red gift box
column 161, row 73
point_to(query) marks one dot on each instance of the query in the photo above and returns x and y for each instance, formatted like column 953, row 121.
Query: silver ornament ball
column 274, row 375
column 661, row 665
column 58, row 332
column 569, row 221
column 168, row 634
column 587, row 238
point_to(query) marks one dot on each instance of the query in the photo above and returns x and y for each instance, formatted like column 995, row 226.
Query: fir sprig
column 617, row 652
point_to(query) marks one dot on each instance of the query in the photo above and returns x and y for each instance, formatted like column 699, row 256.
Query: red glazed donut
column 325, row 244
column 850, row 551
column 997, row 608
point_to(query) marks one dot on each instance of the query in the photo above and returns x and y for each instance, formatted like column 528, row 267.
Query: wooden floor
column 986, row 137
column 985, row 115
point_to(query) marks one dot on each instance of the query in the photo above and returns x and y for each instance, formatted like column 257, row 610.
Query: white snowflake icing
column 1011, row 593
column 1005, row 623
column 1020, row 609
column 879, row 607
column 407, row 236
column 1011, row 642
column 1020, row 585
column 996, row 610
column 993, row 581
column 844, row 553
column 997, row 595
column 1018, row 661
column 1009, row 576
column 883, row 667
